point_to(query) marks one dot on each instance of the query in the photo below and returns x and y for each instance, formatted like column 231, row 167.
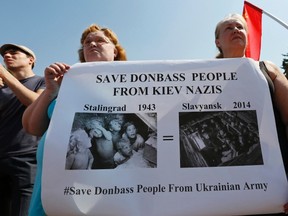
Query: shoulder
column 37, row 78
column 140, row 138
column 34, row 83
column 272, row 69
column 270, row 65
column 39, row 81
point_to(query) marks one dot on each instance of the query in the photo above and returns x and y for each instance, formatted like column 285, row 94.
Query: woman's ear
column 217, row 42
column 115, row 52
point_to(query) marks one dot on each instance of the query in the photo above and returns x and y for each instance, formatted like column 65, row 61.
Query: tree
column 285, row 64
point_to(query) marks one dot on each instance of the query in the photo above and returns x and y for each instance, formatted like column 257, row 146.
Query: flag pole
column 271, row 16
column 276, row 19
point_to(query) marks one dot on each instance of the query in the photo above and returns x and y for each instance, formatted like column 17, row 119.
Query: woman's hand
column 54, row 75
column 286, row 208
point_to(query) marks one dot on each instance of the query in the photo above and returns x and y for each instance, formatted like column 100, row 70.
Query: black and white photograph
column 222, row 138
column 112, row 141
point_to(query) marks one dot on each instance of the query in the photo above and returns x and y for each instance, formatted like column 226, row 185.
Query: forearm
column 107, row 134
column 35, row 119
column 281, row 96
column 281, row 90
column 24, row 95
column 90, row 163
column 69, row 161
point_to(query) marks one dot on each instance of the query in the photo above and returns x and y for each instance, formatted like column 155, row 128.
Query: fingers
column 286, row 208
column 56, row 70
column 53, row 76
column 1, row 82
column 2, row 70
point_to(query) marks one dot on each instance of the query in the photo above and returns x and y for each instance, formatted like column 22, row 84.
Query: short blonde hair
column 233, row 16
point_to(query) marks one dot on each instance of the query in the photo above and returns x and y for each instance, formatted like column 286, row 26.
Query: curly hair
column 91, row 123
column 121, row 54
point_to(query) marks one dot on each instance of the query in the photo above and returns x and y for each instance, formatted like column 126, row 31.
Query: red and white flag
column 253, row 17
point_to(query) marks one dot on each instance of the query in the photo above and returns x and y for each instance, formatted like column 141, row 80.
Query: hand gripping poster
column 169, row 138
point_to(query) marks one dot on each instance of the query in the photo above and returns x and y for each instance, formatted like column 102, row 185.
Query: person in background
column 124, row 151
column 115, row 126
column 97, row 44
column 79, row 155
column 19, row 87
column 130, row 132
column 102, row 147
column 231, row 41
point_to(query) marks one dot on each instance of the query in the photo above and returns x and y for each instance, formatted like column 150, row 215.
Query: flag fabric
column 253, row 17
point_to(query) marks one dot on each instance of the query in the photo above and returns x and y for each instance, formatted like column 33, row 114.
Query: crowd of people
column 103, row 142
column 26, row 109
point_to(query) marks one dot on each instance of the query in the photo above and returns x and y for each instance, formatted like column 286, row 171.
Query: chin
column 93, row 59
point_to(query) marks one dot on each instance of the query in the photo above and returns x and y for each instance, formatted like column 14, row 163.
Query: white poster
column 163, row 138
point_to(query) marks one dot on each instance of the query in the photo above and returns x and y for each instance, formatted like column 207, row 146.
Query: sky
column 147, row 29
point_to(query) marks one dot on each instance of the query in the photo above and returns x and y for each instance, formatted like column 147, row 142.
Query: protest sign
column 201, row 134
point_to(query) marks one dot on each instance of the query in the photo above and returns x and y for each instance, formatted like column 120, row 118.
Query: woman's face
column 98, row 47
column 232, row 35
column 131, row 131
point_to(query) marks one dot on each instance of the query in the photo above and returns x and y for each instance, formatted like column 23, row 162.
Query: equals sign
column 167, row 138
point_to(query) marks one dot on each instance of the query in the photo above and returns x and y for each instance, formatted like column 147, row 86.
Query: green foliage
column 285, row 64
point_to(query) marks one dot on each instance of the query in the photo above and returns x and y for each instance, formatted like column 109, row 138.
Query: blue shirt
column 36, row 207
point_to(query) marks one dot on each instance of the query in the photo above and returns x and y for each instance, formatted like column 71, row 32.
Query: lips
column 237, row 37
column 94, row 50
column 8, row 61
column 132, row 135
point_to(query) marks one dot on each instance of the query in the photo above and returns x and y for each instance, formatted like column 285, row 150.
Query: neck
column 234, row 54
column 22, row 73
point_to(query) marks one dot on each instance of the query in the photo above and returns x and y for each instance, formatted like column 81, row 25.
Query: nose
column 7, row 54
column 93, row 43
column 236, row 30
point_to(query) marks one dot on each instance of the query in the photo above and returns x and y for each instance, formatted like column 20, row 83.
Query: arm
column 91, row 160
column 35, row 119
column 281, row 90
column 119, row 158
column 69, row 161
column 25, row 95
column 107, row 134
column 139, row 143
column 286, row 208
column 1, row 82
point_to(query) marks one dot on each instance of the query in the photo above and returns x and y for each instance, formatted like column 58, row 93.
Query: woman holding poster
column 97, row 44
column 231, row 41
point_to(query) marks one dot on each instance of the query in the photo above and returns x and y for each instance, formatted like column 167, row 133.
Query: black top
column 280, row 126
column 13, row 139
